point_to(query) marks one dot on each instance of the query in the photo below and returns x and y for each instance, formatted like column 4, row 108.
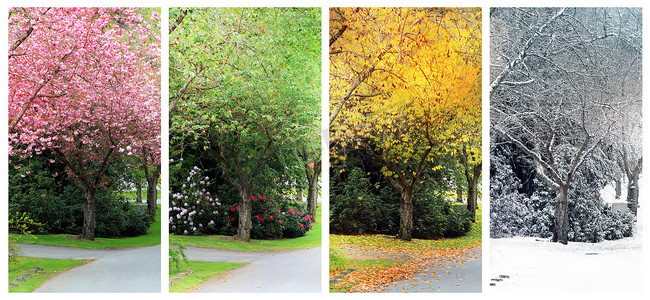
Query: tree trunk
column 312, row 197
column 472, row 191
column 406, row 216
column 471, row 198
column 245, row 211
column 617, row 188
column 152, row 180
column 633, row 190
column 561, row 230
column 88, row 231
column 298, row 194
column 152, row 196
column 138, row 191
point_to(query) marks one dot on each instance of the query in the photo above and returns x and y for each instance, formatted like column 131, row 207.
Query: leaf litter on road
column 419, row 255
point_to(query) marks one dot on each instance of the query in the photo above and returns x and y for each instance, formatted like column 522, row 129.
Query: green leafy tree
column 244, row 86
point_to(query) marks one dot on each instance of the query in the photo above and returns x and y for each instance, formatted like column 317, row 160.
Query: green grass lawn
column 150, row 239
column 130, row 195
column 310, row 240
column 52, row 268
column 203, row 270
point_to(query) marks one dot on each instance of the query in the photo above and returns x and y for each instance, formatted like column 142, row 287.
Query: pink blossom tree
column 84, row 84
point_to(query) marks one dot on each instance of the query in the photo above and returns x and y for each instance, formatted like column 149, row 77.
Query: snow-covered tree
column 561, row 80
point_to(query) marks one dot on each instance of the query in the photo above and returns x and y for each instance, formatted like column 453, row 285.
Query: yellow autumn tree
column 404, row 87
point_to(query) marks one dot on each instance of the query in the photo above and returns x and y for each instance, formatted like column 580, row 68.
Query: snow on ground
column 608, row 193
column 537, row 265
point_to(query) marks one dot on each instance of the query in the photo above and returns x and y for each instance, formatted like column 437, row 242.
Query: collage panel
column 565, row 149
column 84, row 141
column 244, row 131
column 405, row 150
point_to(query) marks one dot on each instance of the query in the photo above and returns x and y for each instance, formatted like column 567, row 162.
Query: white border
column 166, row 4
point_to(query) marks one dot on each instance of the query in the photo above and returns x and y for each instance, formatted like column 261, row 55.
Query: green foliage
column 195, row 210
column 359, row 206
column 19, row 223
column 177, row 254
column 354, row 209
column 435, row 219
column 245, row 94
column 310, row 240
column 137, row 221
column 41, row 190
column 150, row 239
column 338, row 261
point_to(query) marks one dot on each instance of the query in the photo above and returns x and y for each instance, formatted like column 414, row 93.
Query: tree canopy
column 562, row 81
column 84, row 83
column 405, row 87
column 244, row 86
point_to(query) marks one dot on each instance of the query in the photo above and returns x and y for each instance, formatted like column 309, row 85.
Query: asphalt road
column 123, row 270
column 447, row 277
column 295, row 271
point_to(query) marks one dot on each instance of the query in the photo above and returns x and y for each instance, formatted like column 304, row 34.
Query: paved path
column 452, row 276
column 124, row 270
column 283, row 271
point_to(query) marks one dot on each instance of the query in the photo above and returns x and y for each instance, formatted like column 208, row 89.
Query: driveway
column 291, row 271
column 448, row 276
column 123, row 270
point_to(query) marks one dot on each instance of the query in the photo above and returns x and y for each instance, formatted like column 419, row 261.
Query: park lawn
column 203, row 270
column 310, row 240
column 52, row 268
column 130, row 195
column 152, row 238
column 473, row 238
column 451, row 195
column 367, row 268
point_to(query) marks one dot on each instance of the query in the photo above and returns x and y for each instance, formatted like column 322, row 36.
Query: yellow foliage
column 412, row 78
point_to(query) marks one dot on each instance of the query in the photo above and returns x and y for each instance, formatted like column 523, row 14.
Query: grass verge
column 310, row 240
column 52, row 268
column 150, row 239
column 203, row 270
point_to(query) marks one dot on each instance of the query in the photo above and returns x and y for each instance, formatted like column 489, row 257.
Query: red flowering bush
column 274, row 219
column 195, row 211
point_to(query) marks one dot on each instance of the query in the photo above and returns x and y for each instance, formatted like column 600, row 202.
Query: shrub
column 19, row 223
column 355, row 209
column 358, row 207
column 195, row 211
column 38, row 187
column 434, row 219
column 137, row 221
column 516, row 214
column 176, row 253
